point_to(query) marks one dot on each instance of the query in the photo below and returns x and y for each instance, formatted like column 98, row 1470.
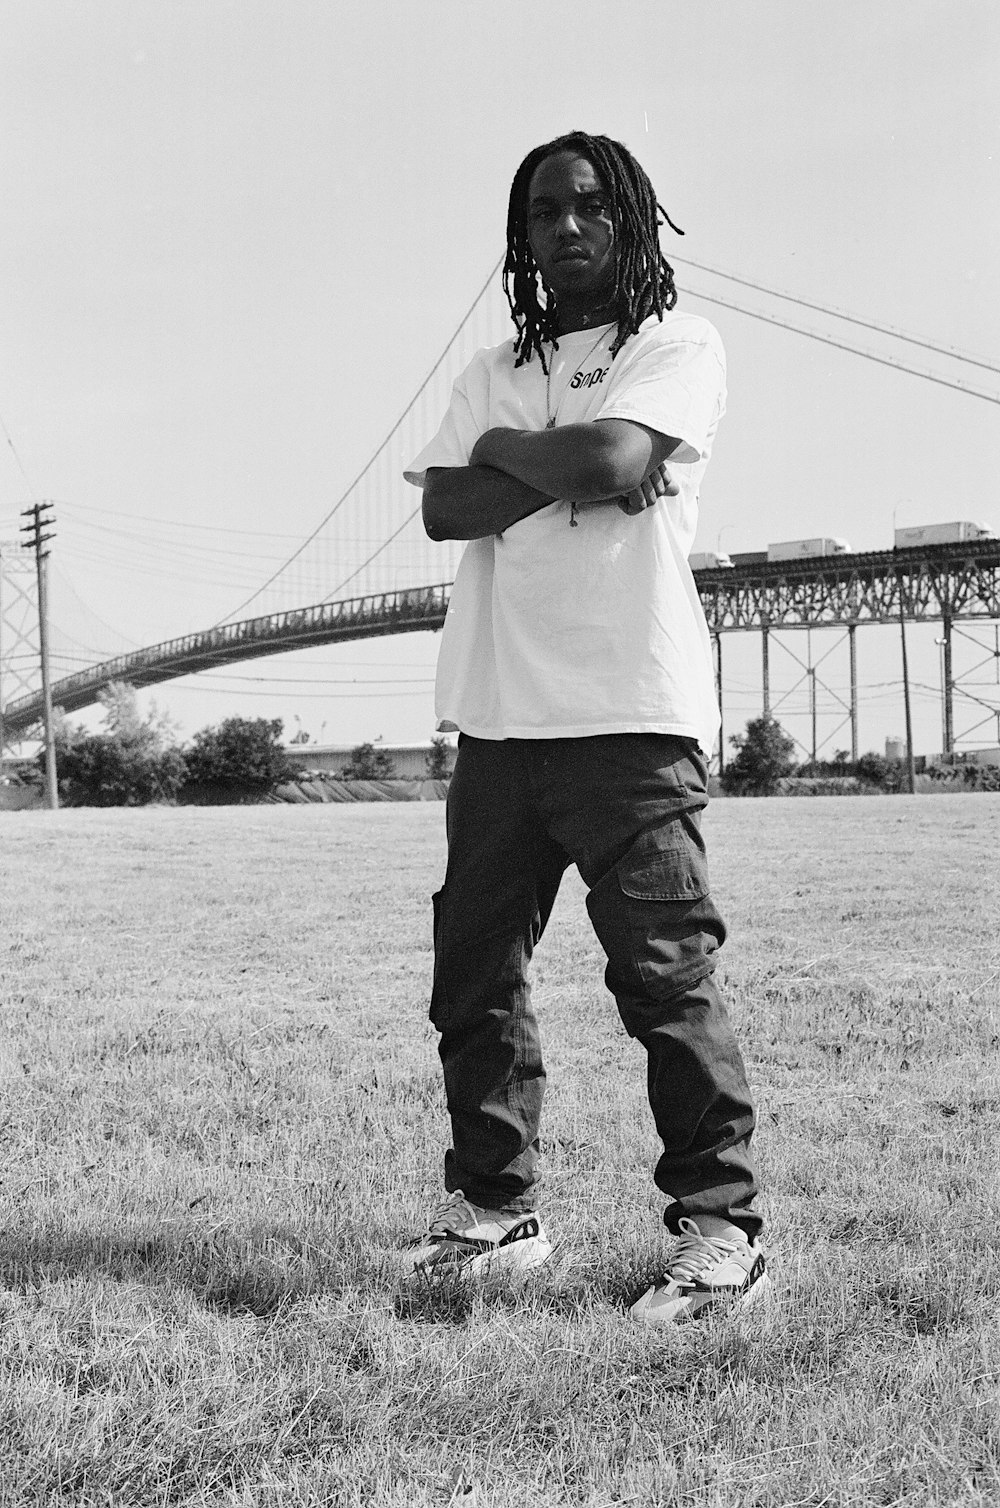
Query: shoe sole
column 520, row 1256
column 761, row 1292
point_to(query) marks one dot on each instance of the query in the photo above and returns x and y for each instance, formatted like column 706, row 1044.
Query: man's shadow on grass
column 257, row 1272
column 261, row 1271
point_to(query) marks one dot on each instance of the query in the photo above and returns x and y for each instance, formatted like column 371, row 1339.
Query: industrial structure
column 942, row 583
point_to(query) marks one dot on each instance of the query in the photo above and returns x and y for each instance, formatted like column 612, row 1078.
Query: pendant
column 551, row 423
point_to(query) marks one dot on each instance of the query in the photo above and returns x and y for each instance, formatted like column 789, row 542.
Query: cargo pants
column 625, row 809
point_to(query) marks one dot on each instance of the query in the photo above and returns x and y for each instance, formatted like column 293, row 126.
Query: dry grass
column 221, row 1114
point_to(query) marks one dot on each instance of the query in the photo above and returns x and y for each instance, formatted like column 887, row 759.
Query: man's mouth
column 574, row 254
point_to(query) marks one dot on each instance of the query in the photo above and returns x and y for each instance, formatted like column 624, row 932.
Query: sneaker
column 463, row 1240
column 704, row 1273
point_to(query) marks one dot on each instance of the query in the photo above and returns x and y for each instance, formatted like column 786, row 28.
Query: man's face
column 570, row 229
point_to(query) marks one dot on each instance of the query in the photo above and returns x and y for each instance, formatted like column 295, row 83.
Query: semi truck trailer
column 805, row 549
column 941, row 534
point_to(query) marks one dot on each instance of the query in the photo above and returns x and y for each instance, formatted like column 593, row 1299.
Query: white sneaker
column 704, row 1273
column 463, row 1240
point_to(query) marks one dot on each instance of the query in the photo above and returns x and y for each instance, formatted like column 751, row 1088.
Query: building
column 409, row 761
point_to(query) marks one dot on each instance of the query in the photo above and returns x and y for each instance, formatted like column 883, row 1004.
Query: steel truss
column 932, row 584
column 943, row 583
column 20, row 663
column 368, row 617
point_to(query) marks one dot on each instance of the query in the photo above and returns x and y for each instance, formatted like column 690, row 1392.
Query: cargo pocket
column 437, row 988
column 656, row 921
column 666, row 864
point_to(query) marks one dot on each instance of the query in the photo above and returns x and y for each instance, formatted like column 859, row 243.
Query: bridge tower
column 20, row 658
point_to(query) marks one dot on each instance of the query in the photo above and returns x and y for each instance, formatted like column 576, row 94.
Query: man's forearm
column 581, row 463
column 472, row 502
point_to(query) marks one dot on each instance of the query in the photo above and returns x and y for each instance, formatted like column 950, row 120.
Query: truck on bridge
column 807, row 549
column 940, row 534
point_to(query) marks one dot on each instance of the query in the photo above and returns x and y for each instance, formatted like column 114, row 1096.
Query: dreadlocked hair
column 644, row 279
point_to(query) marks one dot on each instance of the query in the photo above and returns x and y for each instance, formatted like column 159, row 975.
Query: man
column 576, row 664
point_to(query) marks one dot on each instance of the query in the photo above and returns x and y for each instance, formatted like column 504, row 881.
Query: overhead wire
column 853, row 319
column 842, row 345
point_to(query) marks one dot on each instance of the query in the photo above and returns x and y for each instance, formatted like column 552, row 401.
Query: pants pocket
column 666, row 864
column 657, row 922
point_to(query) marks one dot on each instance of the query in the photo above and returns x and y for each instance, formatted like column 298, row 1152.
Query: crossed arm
column 513, row 473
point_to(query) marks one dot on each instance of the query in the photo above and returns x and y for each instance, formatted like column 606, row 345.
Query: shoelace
column 694, row 1253
column 453, row 1214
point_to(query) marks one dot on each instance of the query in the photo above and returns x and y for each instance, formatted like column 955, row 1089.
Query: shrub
column 368, row 763
column 874, row 769
column 437, row 763
column 240, row 757
column 131, row 763
column 764, row 755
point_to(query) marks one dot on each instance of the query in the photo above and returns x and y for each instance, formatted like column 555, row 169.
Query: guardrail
column 408, row 610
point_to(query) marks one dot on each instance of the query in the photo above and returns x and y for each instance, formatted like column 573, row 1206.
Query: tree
column 437, row 762
column 875, row 769
column 764, row 755
column 131, row 763
column 241, row 757
column 368, row 763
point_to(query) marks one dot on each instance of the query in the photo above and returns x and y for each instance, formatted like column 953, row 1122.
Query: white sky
column 236, row 235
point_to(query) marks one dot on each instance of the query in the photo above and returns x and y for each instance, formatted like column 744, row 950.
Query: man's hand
column 658, row 484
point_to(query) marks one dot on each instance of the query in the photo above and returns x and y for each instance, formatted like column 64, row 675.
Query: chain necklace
column 550, row 421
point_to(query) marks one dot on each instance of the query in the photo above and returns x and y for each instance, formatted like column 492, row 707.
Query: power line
column 172, row 523
column 302, row 695
column 294, row 681
column 853, row 319
column 827, row 340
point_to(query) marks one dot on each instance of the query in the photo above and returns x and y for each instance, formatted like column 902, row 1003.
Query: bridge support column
column 765, row 668
column 948, row 689
column 717, row 645
column 812, row 714
column 852, row 629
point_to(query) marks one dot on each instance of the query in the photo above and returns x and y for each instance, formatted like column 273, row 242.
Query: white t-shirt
column 560, row 632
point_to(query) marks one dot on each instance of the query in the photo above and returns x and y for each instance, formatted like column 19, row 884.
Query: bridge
column 409, row 611
column 941, row 583
column 389, row 579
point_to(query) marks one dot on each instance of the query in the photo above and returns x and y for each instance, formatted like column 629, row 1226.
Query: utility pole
column 718, row 693
column 41, row 518
column 910, row 766
column 852, row 629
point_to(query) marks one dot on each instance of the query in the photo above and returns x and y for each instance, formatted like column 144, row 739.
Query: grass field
column 221, row 1115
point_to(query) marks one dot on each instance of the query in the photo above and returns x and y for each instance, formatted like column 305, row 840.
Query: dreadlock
column 644, row 280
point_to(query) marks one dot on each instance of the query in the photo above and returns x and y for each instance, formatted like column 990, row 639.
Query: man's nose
column 567, row 226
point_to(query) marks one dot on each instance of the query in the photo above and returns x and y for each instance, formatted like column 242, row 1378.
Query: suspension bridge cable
column 384, row 545
column 853, row 319
column 173, row 523
column 67, row 586
column 373, row 458
column 827, row 340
